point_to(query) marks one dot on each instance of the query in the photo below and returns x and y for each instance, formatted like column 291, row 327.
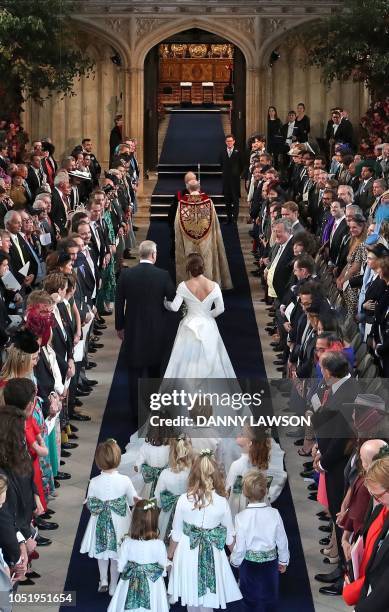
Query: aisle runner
column 239, row 331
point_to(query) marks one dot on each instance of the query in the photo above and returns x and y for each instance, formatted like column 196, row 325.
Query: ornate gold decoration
column 198, row 50
column 196, row 216
column 178, row 50
column 224, row 50
column 164, row 51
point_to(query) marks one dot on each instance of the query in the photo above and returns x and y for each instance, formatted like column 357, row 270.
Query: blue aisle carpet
column 193, row 138
column 239, row 331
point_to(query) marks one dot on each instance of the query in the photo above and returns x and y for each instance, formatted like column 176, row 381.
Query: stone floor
column 54, row 560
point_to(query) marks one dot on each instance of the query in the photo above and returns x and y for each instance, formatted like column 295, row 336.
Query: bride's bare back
column 200, row 286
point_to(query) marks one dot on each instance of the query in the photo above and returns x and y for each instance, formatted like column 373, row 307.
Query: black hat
column 63, row 257
column 25, row 341
column 112, row 177
column 378, row 249
column 316, row 307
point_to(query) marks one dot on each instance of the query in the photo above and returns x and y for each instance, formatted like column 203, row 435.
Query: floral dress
column 351, row 294
column 108, row 288
column 45, row 463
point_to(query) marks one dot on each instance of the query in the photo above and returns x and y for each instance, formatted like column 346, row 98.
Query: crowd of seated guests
column 66, row 229
column 320, row 230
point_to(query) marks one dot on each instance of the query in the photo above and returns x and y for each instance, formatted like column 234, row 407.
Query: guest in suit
column 18, row 253
column 364, row 196
column 140, row 316
column 333, row 429
column 290, row 211
column 373, row 286
column 381, row 322
column 35, row 177
column 291, row 131
column 379, row 188
column 280, row 267
column 232, row 166
column 60, row 202
column 339, row 131
column 95, row 168
column 338, row 230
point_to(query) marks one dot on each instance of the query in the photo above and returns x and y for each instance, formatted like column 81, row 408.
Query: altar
column 194, row 74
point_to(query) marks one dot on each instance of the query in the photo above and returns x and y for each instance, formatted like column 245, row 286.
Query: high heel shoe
column 331, row 560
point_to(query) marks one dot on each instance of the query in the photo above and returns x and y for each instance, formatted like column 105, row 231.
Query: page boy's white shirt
column 259, row 528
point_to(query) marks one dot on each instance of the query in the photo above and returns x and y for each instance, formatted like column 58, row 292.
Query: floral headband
column 150, row 505
column 206, row 452
column 382, row 453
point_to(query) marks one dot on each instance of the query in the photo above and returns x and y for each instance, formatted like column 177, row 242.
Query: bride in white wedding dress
column 198, row 351
column 198, row 355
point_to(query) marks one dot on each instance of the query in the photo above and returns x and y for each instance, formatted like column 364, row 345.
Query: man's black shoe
column 299, row 442
column 323, row 514
column 78, row 403
column 255, row 273
column 333, row 576
column 56, row 484
column 324, row 541
column 32, row 574
column 92, row 350
column 312, row 496
column 72, row 436
column 46, row 526
column 26, row 582
column 65, row 454
column 97, row 332
column 68, row 445
column 96, row 345
column 325, row 528
column 279, row 362
column 312, row 487
column 332, row 589
column 63, row 476
column 308, row 465
column 307, row 473
column 74, row 428
column 91, row 364
column 80, row 417
column 41, row 541
column 90, row 382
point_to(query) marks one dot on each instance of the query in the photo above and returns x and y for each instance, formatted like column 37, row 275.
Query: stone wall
column 132, row 29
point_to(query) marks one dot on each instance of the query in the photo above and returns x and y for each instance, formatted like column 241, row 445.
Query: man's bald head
column 369, row 450
column 189, row 176
column 193, row 186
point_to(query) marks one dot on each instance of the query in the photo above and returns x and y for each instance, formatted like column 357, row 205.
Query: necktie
column 325, row 397
column 19, row 249
column 229, row 151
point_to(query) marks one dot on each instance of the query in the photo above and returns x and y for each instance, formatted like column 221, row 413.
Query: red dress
column 352, row 591
column 32, row 432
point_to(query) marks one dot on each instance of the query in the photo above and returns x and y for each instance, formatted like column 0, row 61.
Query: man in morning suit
column 333, row 427
column 140, row 316
column 231, row 163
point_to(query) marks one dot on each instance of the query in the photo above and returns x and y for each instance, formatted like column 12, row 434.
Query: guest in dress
column 173, row 482
column 202, row 527
column 142, row 562
column 261, row 549
column 109, row 498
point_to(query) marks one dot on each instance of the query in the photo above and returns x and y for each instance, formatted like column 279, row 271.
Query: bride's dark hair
column 195, row 264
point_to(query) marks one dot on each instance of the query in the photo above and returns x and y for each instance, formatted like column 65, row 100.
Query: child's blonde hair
column 205, row 477
column 180, row 453
column 108, row 455
column 255, row 485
